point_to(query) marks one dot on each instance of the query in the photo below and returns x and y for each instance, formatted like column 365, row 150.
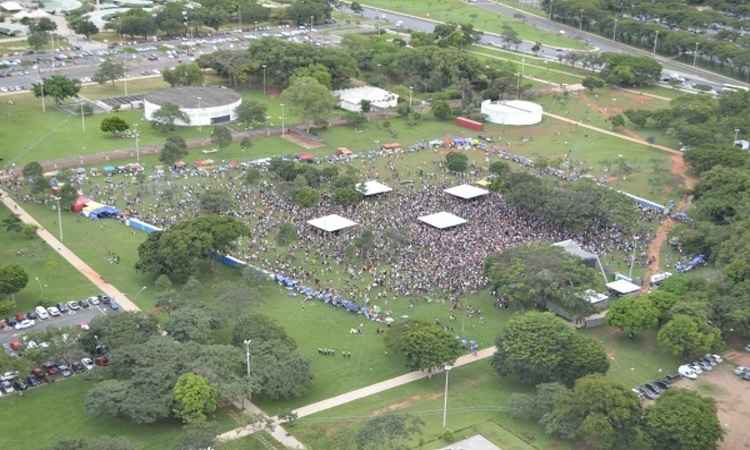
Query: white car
column 74, row 305
column 22, row 325
column 94, row 300
column 53, row 311
column 687, row 372
column 88, row 363
column 41, row 312
column 739, row 370
column 7, row 376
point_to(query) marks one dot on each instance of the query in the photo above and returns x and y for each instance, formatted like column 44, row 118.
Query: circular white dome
column 512, row 112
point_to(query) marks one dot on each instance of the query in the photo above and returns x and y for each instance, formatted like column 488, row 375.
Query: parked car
column 747, row 348
column 101, row 361
column 114, row 306
column 714, row 357
column 33, row 381
column 87, row 363
column 654, row 388
column 62, row 307
column 94, row 300
column 51, row 368
column 9, row 375
column 741, row 370
column 687, row 372
column 26, row 323
column 41, row 311
column 77, row 367
column 19, row 385
column 696, row 368
column 64, row 369
column 73, row 305
column 647, row 393
column 105, row 299
column 53, row 311
column 20, row 317
column 7, row 387
column 661, row 384
column 84, row 303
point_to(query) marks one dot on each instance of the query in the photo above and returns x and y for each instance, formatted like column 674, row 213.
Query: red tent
column 79, row 204
column 305, row 156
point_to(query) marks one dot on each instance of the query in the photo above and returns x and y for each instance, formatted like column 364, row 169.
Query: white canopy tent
column 623, row 287
column 331, row 223
column 372, row 187
column 442, row 220
column 466, row 191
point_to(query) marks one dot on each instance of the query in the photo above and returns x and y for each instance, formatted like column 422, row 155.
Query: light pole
column 41, row 86
column 695, row 53
column 736, row 134
column 656, row 41
column 283, row 131
column 83, row 120
column 137, row 135
column 411, row 90
column 247, row 355
column 59, row 218
column 139, row 292
column 614, row 30
column 264, row 78
column 445, row 397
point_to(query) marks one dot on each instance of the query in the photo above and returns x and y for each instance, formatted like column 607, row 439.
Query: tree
column 633, row 315
column 32, row 169
column 119, row 330
column 189, row 324
column 12, row 279
column 38, row 39
column 179, row 251
column 195, row 398
column 356, row 7
column 317, row 71
column 252, row 176
column 68, row 194
column 593, row 83
column 425, row 345
column 165, row 118
column 251, row 113
column 215, row 201
column 688, row 336
column 109, row 70
column 85, row 27
column 539, row 347
column 198, row 436
column 499, row 169
column 173, row 150
column 306, row 197
column 260, row 328
column 279, row 370
column 618, row 121
column 534, row 276
column 704, row 158
column 365, row 105
column 44, row 25
column 627, row 70
column 114, row 125
column 39, row 185
column 301, row 11
column 683, row 420
column 313, row 101
column 456, row 162
column 94, row 443
column 221, row 136
column 135, row 22
column 187, row 74
column 389, row 431
column 58, row 87
column 286, row 235
column 12, row 224
column 441, row 110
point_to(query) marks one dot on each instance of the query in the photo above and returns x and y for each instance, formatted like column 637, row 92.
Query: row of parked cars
column 22, row 321
column 12, row 381
column 693, row 369
column 653, row 389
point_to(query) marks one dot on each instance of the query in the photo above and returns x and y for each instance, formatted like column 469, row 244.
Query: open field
column 50, row 413
column 51, row 278
column 460, row 12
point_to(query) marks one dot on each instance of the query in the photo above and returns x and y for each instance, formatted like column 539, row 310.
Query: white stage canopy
column 331, row 223
column 466, row 191
column 623, row 287
column 372, row 187
column 442, row 220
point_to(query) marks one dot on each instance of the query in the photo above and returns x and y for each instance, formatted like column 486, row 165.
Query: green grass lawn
column 252, row 442
column 54, row 412
column 51, row 278
column 460, row 12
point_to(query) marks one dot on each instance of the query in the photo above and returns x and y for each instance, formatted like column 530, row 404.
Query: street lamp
column 411, row 90
column 264, row 78
column 59, row 218
column 247, row 343
column 736, row 134
column 283, row 131
column 445, row 396
column 695, row 53
column 139, row 292
column 656, row 41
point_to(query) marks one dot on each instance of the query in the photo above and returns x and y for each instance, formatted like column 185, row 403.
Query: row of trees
column 304, row 182
column 603, row 18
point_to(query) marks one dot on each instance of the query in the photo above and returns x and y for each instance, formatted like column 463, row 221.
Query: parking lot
column 69, row 319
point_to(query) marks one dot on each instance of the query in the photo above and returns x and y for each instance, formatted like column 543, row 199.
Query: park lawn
column 50, row 413
column 545, row 63
column 533, row 70
column 478, row 402
column 460, row 12
column 251, row 442
column 51, row 278
column 525, row 6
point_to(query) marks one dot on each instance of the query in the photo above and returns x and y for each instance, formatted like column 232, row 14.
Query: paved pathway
column 358, row 394
column 69, row 256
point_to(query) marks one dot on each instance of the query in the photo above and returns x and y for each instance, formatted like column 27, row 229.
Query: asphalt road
column 70, row 319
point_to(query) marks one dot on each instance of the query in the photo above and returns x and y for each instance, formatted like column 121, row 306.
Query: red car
column 20, row 316
column 101, row 361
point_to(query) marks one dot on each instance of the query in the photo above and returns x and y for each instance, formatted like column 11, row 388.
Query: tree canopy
column 58, row 87
column 186, row 74
column 425, row 345
column 683, row 420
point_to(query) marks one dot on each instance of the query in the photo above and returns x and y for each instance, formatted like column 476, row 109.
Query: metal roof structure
column 466, row 191
column 194, row 96
column 331, row 223
column 442, row 220
column 372, row 187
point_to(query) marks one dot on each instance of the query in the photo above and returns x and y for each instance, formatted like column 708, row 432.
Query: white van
column 41, row 311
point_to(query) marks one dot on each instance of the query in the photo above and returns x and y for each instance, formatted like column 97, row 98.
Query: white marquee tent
column 351, row 99
column 331, row 223
column 623, row 287
column 442, row 220
column 372, row 187
column 466, row 191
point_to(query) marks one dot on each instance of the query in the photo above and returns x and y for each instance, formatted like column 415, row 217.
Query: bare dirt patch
column 732, row 397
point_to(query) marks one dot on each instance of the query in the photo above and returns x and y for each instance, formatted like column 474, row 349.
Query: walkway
column 68, row 255
column 358, row 394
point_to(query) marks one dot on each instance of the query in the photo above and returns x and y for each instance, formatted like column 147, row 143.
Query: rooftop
column 331, row 223
column 194, row 96
column 623, row 287
column 442, row 220
column 466, row 191
column 372, row 187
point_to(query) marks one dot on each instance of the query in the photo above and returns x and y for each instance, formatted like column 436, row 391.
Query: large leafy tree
column 300, row 11
column 195, row 399
column 114, row 125
column 390, row 431
column 424, row 345
column 633, row 315
column 165, row 118
column 190, row 324
column 118, row 330
column 173, row 150
column 539, row 347
column 84, row 27
column 251, row 113
column 58, row 87
column 179, row 251
column 109, row 70
column 313, row 101
column 535, row 275
column 215, row 201
column 32, row 169
column 188, row 74
column 260, row 328
column 683, row 420
column 12, row 279
column 689, row 336
column 279, row 371
column 221, row 136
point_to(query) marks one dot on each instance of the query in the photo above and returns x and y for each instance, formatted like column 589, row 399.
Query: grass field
column 460, row 12
column 54, row 412
column 51, row 278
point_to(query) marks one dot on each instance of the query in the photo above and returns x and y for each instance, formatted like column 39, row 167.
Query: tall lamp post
column 59, row 218
column 247, row 343
column 264, row 78
column 445, row 396
column 411, row 91
column 283, row 130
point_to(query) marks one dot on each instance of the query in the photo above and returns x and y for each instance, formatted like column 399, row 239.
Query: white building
column 11, row 7
column 202, row 105
column 351, row 99
column 512, row 112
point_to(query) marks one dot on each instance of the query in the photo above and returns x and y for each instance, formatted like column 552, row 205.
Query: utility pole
column 247, row 355
column 137, row 147
column 83, row 120
column 695, row 53
column 614, row 30
column 283, row 131
column 41, row 84
column 311, row 23
column 736, row 134
column 445, row 397
column 59, row 218
column 411, row 89
column 264, row 79
column 656, row 41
